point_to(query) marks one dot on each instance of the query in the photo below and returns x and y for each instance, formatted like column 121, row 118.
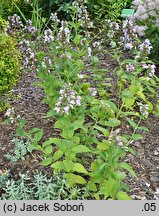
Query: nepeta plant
column 91, row 141
column 147, row 22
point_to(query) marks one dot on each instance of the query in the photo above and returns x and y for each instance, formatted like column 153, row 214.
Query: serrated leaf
column 73, row 179
column 48, row 149
column 103, row 130
column 112, row 105
column 128, row 102
column 35, row 147
column 49, row 142
column 112, row 122
column 123, row 196
column 132, row 151
column 67, row 133
column 136, row 137
column 126, row 166
column 51, row 113
column 77, row 167
column 92, row 186
column 108, row 188
column 58, row 165
column 77, row 39
column 68, row 165
column 75, row 139
column 46, row 161
column 81, row 149
column 61, row 123
column 57, row 155
column 120, row 175
column 132, row 123
column 127, row 94
column 38, row 135
column 143, row 128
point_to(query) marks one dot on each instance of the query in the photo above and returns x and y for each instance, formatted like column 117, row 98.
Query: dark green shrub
column 10, row 64
column 2, row 25
column 8, row 8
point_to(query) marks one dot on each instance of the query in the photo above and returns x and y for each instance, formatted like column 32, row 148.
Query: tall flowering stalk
column 67, row 100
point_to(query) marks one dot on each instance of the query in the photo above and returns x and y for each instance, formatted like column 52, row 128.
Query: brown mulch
column 30, row 106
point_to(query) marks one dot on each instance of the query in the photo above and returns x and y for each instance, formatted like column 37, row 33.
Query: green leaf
column 67, row 133
column 120, row 175
column 38, row 135
column 49, row 142
column 48, row 149
column 73, row 179
column 112, row 105
column 51, row 113
column 81, row 149
column 58, row 165
column 68, row 165
column 77, row 167
column 128, row 102
column 132, row 123
column 143, row 128
column 77, row 39
column 85, row 86
column 103, row 130
column 126, row 166
column 135, row 87
column 136, row 137
column 92, row 186
column 132, row 151
column 127, row 94
column 141, row 95
column 46, row 161
column 62, row 123
column 57, row 155
column 108, row 188
column 35, row 147
column 122, row 196
column 129, row 114
column 75, row 139
column 112, row 122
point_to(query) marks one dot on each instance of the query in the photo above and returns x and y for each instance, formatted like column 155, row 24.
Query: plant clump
column 10, row 64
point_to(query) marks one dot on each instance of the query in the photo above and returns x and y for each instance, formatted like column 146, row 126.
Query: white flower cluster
column 113, row 28
column 67, row 100
column 10, row 114
column 144, row 110
column 145, row 10
column 150, row 68
column 14, row 24
column 145, row 46
column 82, row 14
column 114, row 136
column 54, row 18
column 28, row 54
column 129, row 34
column 48, row 37
column 64, row 33
column 130, row 67
column 93, row 91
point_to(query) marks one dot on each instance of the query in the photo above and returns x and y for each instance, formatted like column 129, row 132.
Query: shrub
column 2, row 25
column 10, row 64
